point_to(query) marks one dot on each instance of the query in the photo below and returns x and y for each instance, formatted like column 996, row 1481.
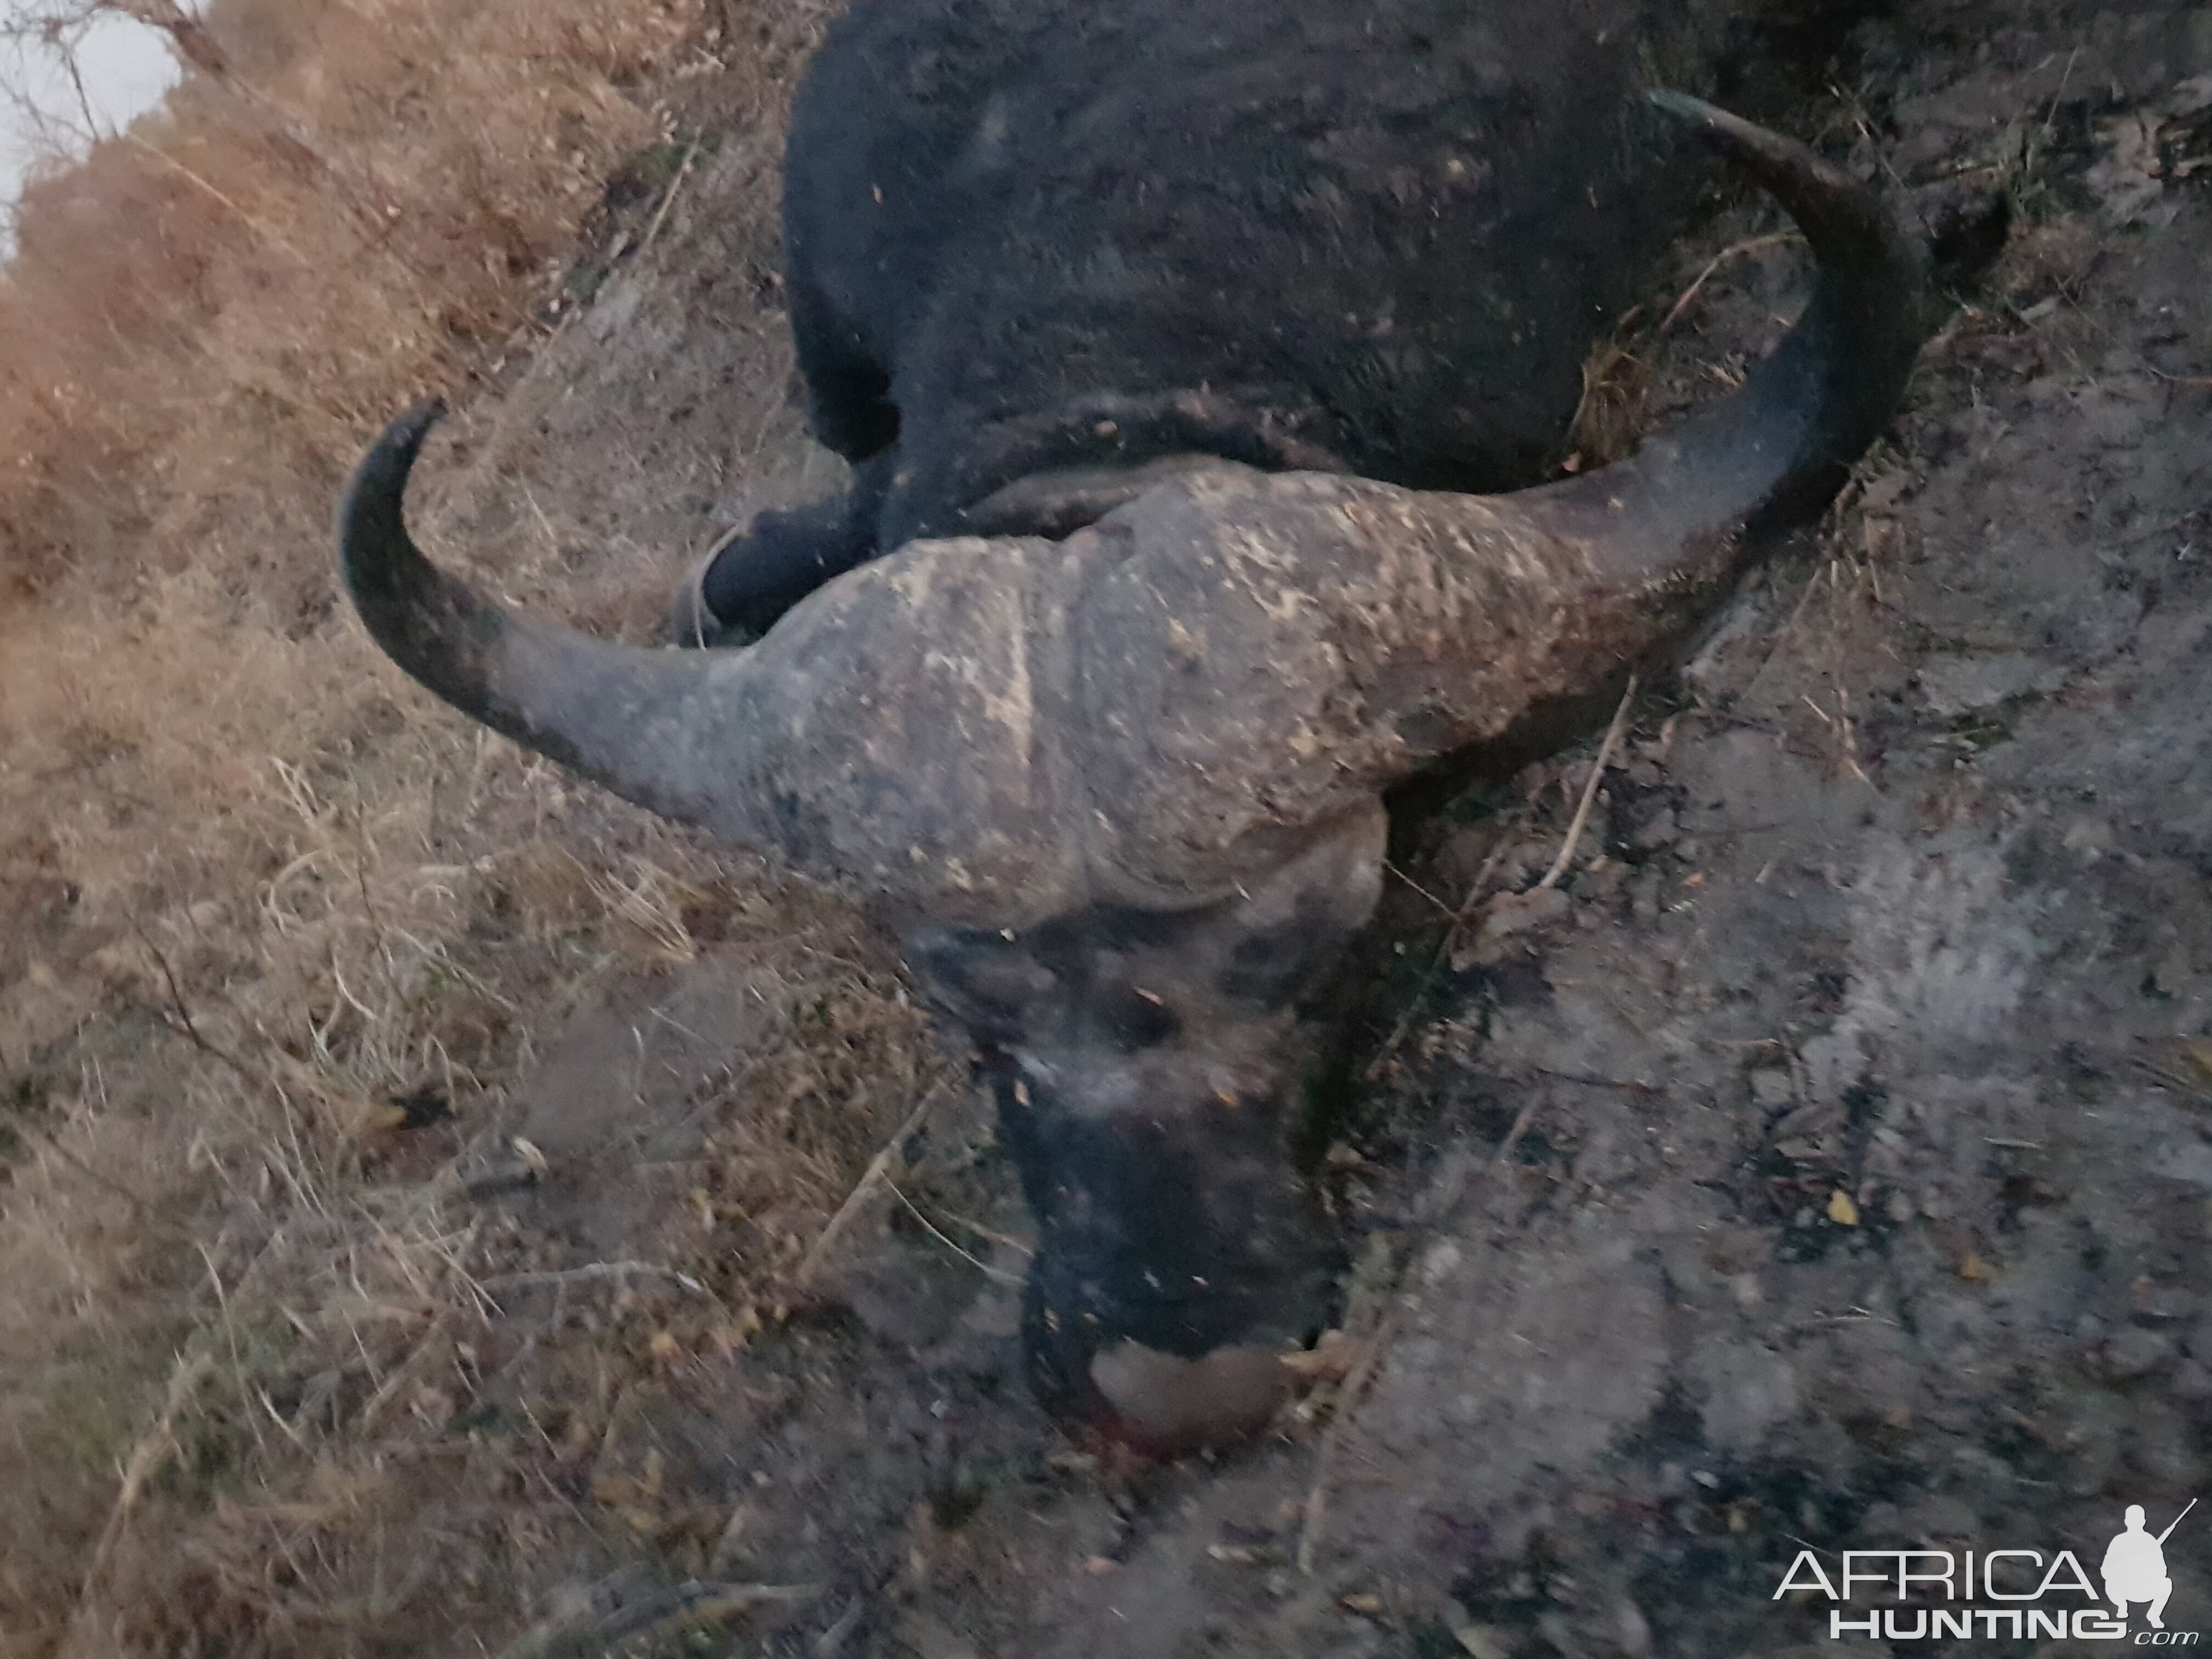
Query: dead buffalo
column 1105, row 735
column 1036, row 254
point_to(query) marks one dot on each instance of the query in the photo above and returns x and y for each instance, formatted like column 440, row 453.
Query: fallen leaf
column 2196, row 1057
column 1841, row 1209
column 731, row 1334
column 1329, row 1360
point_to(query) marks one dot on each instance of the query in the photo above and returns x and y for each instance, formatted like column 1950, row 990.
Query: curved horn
column 885, row 732
column 1777, row 448
column 1277, row 648
column 620, row 716
column 987, row 730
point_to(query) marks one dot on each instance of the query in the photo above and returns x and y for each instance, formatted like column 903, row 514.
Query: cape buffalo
column 1031, row 248
column 1183, row 350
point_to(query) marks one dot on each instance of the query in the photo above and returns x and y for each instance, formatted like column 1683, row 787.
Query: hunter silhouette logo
column 2024, row 1594
column 2135, row 1566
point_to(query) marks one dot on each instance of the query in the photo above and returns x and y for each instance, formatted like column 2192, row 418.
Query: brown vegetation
column 258, row 903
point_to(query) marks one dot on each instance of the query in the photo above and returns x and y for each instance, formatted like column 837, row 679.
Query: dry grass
column 253, row 892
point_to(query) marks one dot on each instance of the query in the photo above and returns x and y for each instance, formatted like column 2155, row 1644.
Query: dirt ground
column 1831, row 1168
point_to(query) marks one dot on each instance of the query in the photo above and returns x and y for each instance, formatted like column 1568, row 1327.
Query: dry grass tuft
column 278, row 938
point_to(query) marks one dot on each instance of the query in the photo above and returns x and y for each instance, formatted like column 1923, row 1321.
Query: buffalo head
column 1119, row 794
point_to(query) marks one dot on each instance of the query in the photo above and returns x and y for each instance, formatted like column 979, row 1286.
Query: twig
column 665, row 1614
column 1590, row 789
column 937, row 1233
column 1355, row 1384
column 1473, row 902
column 827, row 1645
column 141, row 1206
column 147, row 1457
column 2171, row 1080
column 2050, row 115
column 388, row 1390
column 669, row 200
column 258, row 224
column 1635, row 1085
column 183, row 1014
column 583, row 1275
column 230, row 1338
column 1749, row 244
column 879, row 1168
column 1419, row 891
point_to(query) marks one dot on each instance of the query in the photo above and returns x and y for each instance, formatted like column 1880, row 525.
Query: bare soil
column 1829, row 1166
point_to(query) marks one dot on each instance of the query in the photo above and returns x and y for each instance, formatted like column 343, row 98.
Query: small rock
column 1508, row 915
column 1442, row 1261
column 1811, row 1120
column 2191, row 1381
column 1633, row 1629
column 1771, row 1087
column 1960, row 685
column 1482, row 1641
column 1516, row 913
column 1658, row 829
column 2135, row 1352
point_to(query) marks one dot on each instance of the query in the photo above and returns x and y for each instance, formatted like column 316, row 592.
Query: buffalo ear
column 1285, row 933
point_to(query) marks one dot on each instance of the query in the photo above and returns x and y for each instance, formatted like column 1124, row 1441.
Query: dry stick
column 878, row 1168
column 580, row 1275
column 1355, row 1384
column 937, row 1233
column 2171, row 1080
column 1475, row 895
column 230, row 1338
column 260, row 225
column 142, row 1208
column 1749, row 244
column 669, row 200
column 1590, row 789
column 183, row 1016
column 665, row 1614
column 147, row 1457
column 252, row 1074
